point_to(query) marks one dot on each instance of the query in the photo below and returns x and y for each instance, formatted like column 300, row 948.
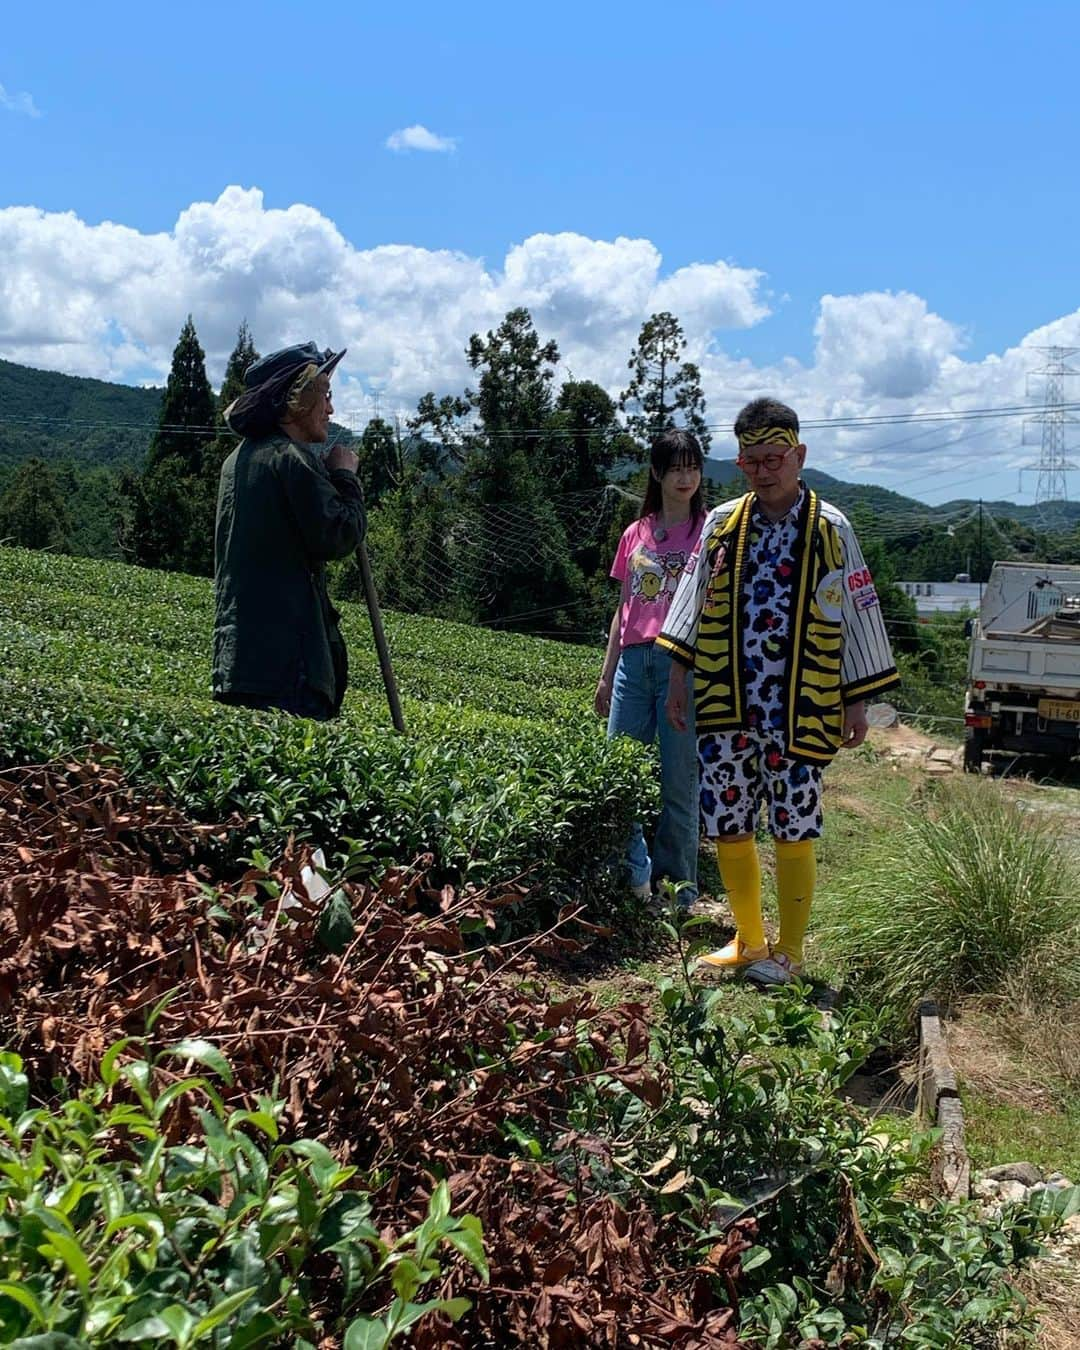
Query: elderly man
column 781, row 624
column 284, row 509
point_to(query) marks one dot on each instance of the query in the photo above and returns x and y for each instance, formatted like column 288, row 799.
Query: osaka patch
column 860, row 579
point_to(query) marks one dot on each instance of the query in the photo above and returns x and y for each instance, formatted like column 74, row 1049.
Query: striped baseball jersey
column 835, row 649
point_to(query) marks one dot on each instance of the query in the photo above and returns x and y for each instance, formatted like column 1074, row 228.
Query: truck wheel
column 973, row 753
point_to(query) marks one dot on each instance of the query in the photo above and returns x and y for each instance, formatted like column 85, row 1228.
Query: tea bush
column 112, row 1234
column 505, row 769
column 674, row 1179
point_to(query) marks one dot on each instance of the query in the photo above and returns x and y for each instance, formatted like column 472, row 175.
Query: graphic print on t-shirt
column 654, row 574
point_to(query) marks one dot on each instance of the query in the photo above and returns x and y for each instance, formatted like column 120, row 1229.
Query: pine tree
column 204, row 490
column 664, row 390
column 188, row 410
column 381, row 468
column 32, row 510
column 243, row 355
column 513, row 402
column 167, row 524
column 505, row 548
column 585, row 439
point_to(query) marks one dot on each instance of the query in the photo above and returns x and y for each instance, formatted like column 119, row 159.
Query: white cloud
column 419, row 138
column 892, row 344
column 19, row 103
column 108, row 301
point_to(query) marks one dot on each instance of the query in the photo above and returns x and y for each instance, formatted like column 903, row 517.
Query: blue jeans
column 638, row 695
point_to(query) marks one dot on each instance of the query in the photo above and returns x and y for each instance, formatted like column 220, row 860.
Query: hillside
column 881, row 501
column 100, row 653
column 66, row 417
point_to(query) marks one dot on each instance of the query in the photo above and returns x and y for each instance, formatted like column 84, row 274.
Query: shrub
column 620, row 1170
column 505, row 770
column 112, row 1234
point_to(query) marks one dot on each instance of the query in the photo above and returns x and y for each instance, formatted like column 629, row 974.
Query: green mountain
column 65, row 417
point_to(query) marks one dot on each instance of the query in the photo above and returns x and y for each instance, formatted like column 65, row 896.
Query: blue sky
column 832, row 150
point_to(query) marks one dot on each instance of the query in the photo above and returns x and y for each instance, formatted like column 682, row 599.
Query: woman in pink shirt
column 652, row 556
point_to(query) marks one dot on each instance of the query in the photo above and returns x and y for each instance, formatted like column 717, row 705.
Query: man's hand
column 602, row 698
column 676, row 702
column 855, row 725
column 341, row 457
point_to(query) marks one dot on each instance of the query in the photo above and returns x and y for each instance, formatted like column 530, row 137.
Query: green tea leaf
column 201, row 1052
column 25, row 1296
column 336, row 925
column 220, row 1313
column 48, row 1340
column 67, row 1249
column 365, row 1333
column 14, row 1086
column 468, row 1239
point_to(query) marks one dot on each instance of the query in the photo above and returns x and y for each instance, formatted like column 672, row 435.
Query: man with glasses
column 284, row 510
column 781, row 624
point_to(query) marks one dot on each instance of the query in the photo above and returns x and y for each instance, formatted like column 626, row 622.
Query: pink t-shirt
column 650, row 570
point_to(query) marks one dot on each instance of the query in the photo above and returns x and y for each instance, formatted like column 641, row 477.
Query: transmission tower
column 1053, row 465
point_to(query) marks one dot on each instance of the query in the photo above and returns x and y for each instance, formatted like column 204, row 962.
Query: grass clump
column 970, row 896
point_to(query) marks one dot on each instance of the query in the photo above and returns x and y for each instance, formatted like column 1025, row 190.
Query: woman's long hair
column 671, row 450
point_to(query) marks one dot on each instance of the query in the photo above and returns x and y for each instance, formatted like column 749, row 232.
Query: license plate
column 1060, row 709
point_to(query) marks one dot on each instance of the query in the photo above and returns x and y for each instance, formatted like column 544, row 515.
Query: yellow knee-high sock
column 796, row 875
column 740, row 871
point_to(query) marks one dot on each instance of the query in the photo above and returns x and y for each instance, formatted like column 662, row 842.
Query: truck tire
column 973, row 753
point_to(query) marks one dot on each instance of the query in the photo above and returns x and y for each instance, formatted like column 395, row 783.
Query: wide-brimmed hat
column 291, row 359
column 267, row 382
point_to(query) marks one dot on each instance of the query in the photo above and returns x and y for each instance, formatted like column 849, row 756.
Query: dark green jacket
column 281, row 515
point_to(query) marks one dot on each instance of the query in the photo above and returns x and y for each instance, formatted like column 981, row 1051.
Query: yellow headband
column 769, row 436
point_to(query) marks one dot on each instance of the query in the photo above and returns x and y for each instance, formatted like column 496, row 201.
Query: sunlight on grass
column 961, row 898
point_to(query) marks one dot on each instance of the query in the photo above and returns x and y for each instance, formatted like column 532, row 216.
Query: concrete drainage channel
column 940, row 1105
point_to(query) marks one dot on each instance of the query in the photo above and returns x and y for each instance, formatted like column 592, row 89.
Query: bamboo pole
column 379, row 634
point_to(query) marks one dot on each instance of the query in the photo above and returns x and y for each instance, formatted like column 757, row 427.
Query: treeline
column 486, row 506
column 501, row 504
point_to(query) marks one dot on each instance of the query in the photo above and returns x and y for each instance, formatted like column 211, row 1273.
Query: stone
column 1012, row 1192
column 1059, row 1181
column 1025, row 1172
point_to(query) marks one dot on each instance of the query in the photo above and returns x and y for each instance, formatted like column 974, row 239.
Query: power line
column 824, row 423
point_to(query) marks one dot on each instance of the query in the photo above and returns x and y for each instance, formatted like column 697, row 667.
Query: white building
column 942, row 597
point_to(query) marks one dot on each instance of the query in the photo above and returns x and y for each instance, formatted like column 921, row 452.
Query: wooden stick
column 380, row 639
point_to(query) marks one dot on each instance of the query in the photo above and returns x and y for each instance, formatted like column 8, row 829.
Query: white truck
column 1024, row 665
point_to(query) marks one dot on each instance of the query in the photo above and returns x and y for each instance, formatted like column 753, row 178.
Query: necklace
column 661, row 531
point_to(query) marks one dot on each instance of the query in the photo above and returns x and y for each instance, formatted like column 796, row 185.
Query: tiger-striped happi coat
column 837, row 647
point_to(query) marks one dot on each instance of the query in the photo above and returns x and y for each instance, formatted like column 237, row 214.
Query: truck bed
column 1027, row 661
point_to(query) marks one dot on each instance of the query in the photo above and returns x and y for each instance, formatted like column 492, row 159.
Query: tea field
column 234, row 1116
column 504, row 770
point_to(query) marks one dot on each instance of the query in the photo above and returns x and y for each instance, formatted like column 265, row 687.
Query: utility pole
column 1053, row 466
